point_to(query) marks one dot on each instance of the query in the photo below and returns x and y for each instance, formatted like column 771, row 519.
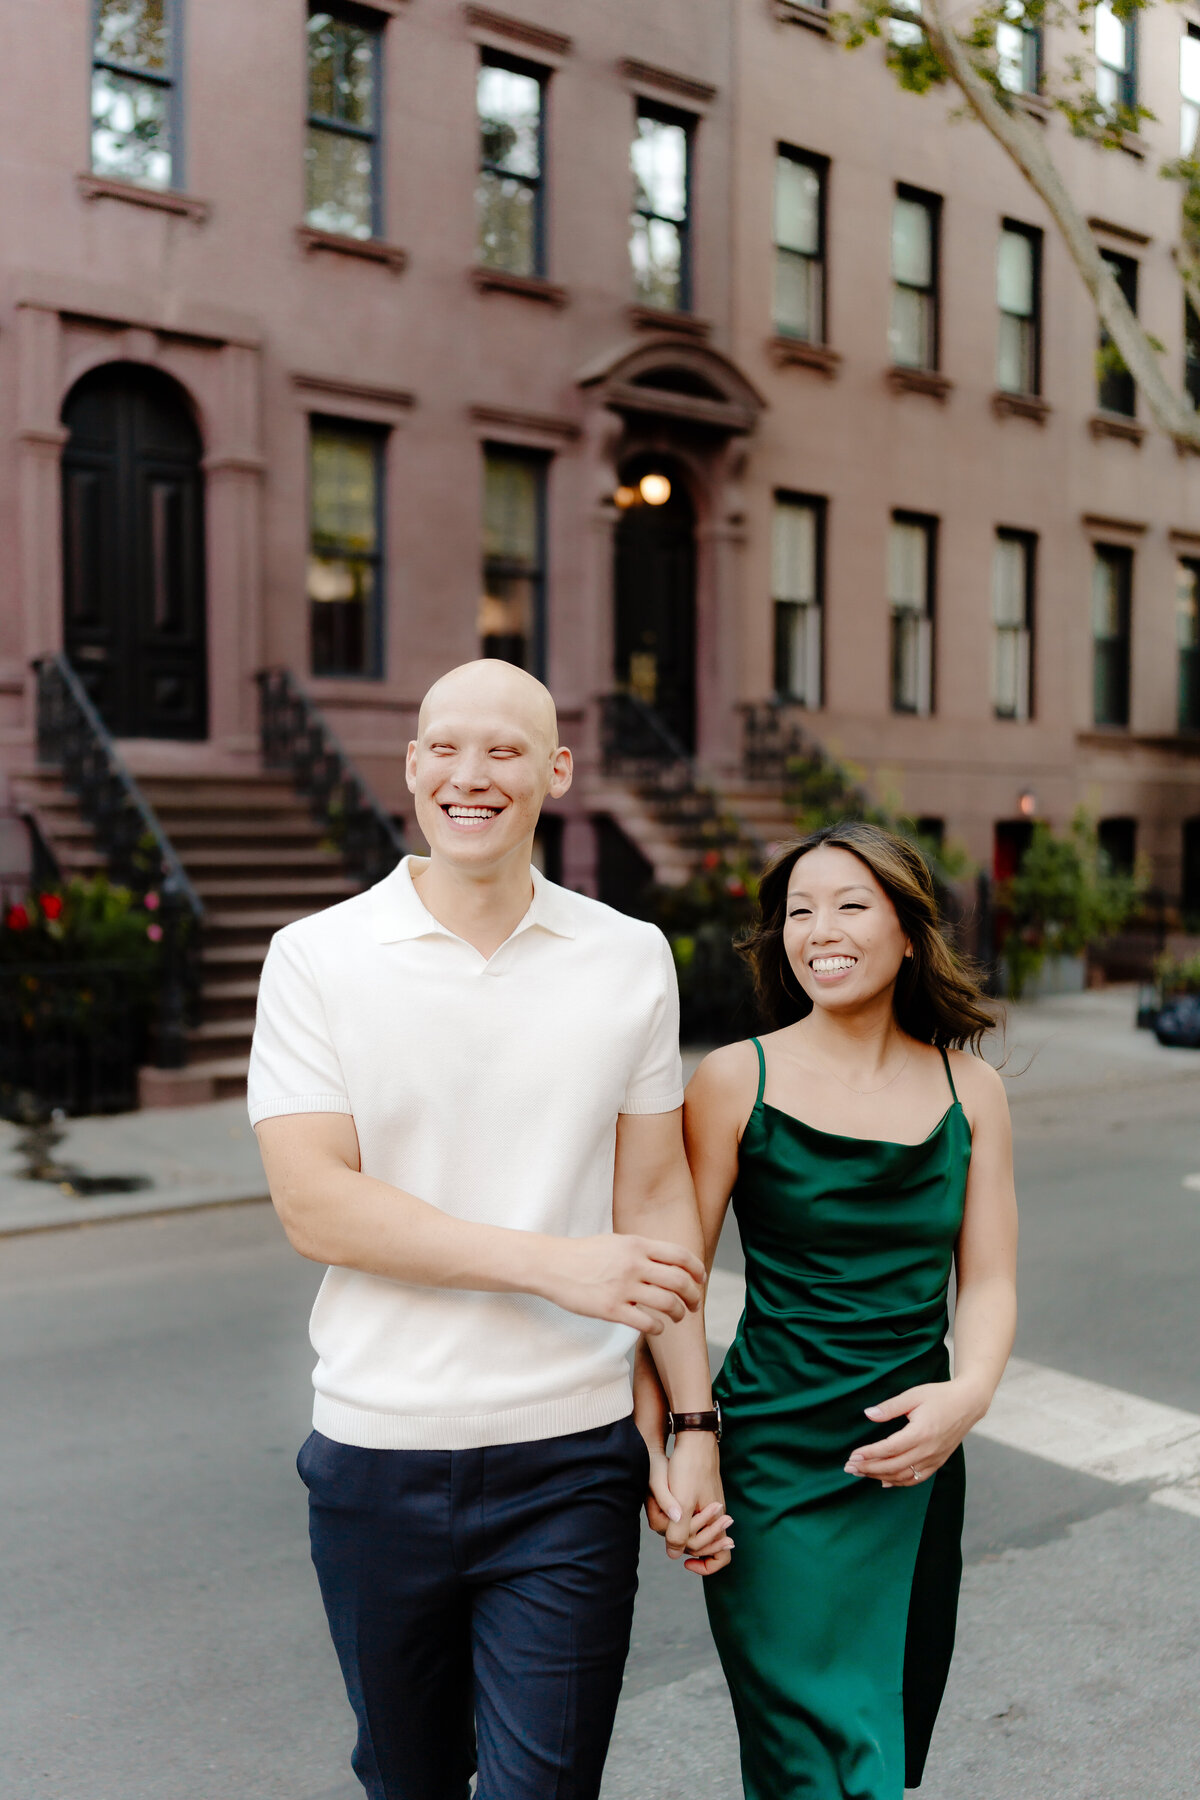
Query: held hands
column 939, row 1415
column 627, row 1280
column 677, row 1506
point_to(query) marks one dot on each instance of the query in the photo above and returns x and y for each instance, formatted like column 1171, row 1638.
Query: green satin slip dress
column 834, row 1621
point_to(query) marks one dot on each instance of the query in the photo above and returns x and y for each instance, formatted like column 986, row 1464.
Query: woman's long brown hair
column 938, row 999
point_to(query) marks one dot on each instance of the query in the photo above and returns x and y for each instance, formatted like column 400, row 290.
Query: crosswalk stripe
column 1063, row 1419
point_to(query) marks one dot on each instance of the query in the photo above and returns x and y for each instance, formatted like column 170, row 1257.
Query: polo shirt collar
column 398, row 913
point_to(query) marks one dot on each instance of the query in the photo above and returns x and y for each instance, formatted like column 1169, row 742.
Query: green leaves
column 1063, row 898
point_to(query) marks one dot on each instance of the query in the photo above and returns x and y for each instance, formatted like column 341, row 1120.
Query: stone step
column 276, row 888
column 231, row 991
column 269, row 919
column 220, row 1031
column 301, row 857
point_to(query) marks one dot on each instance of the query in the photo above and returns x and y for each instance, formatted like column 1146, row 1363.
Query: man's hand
column 628, row 1280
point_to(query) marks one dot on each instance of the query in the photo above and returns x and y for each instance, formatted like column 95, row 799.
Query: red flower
column 712, row 859
column 735, row 887
column 154, row 933
column 16, row 919
column 51, row 905
column 151, row 902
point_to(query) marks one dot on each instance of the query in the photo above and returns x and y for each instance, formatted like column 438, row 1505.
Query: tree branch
column 1023, row 142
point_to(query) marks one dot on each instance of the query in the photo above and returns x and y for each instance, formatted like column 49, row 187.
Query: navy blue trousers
column 480, row 1603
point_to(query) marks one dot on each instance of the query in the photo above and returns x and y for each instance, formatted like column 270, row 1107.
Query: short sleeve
column 294, row 1067
column 656, row 1085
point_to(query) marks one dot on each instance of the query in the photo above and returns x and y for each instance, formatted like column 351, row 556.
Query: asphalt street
column 164, row 1638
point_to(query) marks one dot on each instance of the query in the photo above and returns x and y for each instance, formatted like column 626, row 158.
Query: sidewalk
column 1058, row 1050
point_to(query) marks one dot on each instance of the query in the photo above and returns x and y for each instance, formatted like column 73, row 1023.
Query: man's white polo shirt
column 489, row 1088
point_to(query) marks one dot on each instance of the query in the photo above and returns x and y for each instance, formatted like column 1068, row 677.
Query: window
column 1013, row 565
column 512, row 610
column 1189, row 89
column 1116, row 390
column 1191, row 351
column 911, row 544
column 914, row 336
column 1187, row 631
column 800, row 246
column 659, row 228
column 1116, row 70
column 1116, row 840
column 345, row 560
column 796, row 583
column 510, row 103
column 1018, row 51
column 135, row 97
column 1112, row 583
column 1018, row 296
column 341, row 155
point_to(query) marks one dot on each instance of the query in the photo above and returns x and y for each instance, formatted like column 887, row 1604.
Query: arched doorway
column 133, row 552
column 655, row 592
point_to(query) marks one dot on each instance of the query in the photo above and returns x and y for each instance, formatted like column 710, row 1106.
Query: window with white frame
column 913, row 334
column 911, row 548
column 800, row 245
column 1189, row 88
column 1018, row 271
column 796, row 584
column 1012, row 623
column 1116, row 69
column 135, row 93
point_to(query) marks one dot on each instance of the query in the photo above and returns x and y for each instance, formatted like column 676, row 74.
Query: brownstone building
column 671, row 351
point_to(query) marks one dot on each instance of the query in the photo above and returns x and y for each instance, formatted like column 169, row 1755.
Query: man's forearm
column 338, row 1215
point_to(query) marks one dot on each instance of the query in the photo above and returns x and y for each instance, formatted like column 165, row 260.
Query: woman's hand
column 939, row 1416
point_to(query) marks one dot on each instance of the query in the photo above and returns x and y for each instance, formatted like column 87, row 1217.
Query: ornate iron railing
column 295, row 738
column 72, row 1035
column 637, row 746
column 72, row 736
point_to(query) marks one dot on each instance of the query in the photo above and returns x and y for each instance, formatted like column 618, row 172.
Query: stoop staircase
column 258, row 848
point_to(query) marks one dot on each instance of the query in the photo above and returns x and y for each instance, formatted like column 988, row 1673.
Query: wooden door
column 133, row 552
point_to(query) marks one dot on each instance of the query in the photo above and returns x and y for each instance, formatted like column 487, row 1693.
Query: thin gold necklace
column 865, row 1093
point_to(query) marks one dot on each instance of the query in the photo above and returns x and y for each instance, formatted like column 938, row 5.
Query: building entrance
column 655, row 593
column 133, row 552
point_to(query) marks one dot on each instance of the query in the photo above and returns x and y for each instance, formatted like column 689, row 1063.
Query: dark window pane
column 1111, row 581
column 1191, row 332
column 1117, row 841
column 131, row 134
column 338, row 172
column 343, row 565
column 134, row 33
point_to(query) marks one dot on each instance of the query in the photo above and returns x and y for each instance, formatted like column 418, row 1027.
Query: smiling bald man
column 466, row 1086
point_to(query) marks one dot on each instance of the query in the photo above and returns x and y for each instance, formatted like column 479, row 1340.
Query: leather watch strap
column 696, row 1421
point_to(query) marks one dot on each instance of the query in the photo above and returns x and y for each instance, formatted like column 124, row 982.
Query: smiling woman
column 866, row 1157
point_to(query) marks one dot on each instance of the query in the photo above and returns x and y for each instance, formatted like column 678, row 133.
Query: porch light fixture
column 625, row 497
column 654, row 489
column 1027, row 801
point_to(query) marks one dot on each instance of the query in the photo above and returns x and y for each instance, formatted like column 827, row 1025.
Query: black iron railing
column 638, row 747
column 72, row 736
column 296, row 739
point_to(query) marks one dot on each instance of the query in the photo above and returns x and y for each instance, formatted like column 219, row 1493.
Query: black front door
column 655, row 596
column 133, row 552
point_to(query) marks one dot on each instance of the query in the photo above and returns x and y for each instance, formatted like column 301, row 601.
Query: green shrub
column 1063, row 898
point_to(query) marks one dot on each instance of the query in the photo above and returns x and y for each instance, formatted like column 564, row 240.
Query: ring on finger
column 916, row 1473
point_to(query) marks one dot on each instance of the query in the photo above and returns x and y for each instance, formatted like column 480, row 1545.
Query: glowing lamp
column 1027, row 802
column 654, row 489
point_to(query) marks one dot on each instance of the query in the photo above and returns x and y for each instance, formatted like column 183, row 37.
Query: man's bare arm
column 333, row 1213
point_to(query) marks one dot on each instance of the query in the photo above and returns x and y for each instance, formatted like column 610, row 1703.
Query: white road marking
column 1193, row 1182
column 1063, row 1419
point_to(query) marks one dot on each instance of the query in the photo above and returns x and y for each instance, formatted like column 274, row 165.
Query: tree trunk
column 1023, row 141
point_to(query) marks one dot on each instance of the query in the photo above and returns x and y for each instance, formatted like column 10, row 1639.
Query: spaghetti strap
column 949, row 1076
column 762, row 1072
